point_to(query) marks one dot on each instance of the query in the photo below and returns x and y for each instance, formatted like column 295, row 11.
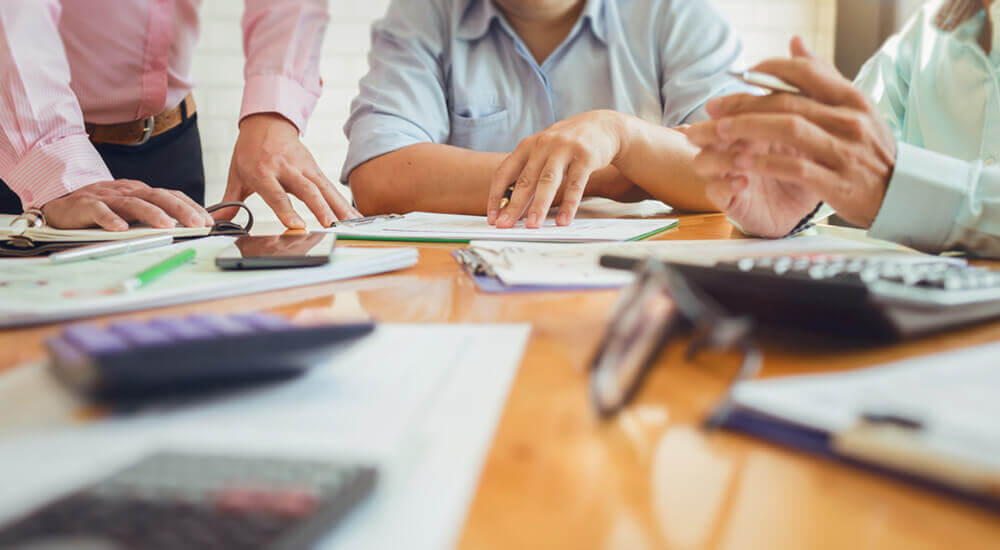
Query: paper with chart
column 425, row 227
column 577, row 266
column 37, row 291
column 420, row 401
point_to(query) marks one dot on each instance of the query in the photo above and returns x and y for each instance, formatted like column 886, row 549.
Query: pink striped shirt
column 63, row 62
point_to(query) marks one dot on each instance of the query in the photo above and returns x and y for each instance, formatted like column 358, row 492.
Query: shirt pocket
column 485, row 133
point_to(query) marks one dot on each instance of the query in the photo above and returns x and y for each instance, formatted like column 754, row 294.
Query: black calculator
column 879, row 298
column 177, row 501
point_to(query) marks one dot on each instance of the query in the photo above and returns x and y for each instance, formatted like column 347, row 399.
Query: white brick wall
column 766, row 26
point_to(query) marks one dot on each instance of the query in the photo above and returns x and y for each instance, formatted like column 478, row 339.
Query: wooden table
column 557, row 477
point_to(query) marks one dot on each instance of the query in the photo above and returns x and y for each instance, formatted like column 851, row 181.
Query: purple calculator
column 138, row 359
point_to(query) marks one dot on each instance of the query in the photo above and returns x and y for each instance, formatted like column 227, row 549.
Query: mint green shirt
column 940, row 93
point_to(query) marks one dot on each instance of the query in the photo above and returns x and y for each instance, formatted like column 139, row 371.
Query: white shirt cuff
column 924, row 198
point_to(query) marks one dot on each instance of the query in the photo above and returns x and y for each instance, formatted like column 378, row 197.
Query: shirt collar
column 480, row 14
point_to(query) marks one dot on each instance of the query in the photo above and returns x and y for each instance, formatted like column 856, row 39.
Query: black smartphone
column 278, row 251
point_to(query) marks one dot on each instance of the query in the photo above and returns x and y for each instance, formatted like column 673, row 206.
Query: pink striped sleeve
column 44, row 150
column 282, row 40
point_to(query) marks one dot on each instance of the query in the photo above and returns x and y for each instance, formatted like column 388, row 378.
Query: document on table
column 421, row 402
column 36, row 291
column 943, row 412
column 542, row 266
column 426, row 227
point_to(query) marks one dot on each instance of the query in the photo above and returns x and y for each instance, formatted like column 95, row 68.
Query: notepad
column 53, row 235
column 37, row 291
column 453, row 228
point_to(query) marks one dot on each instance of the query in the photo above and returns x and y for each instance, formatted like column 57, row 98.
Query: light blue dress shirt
column 940, row 92
column 455, row 72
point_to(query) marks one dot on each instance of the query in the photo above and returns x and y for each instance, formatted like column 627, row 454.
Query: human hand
column 113, row 205
column 269, row 159
column 559, row 160
column 833, row 144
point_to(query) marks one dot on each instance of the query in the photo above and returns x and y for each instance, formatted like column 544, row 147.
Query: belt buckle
column 147, row 131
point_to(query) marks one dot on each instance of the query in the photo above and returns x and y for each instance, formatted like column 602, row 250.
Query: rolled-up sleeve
column 283, row 40
column 698, row 48
column 402, row 99
column 44, row 149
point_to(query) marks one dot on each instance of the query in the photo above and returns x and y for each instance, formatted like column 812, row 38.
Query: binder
column 28, row 235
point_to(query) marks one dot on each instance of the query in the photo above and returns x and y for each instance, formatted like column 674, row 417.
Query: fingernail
column 119, row 225
column 743, row 162
column 504, row 219
column 209, row 220
column 533, row 220
column 297, row 223
column 563, row 218
column 491, row 216
column 173, row 222
column 195, row 220
column 725, row 128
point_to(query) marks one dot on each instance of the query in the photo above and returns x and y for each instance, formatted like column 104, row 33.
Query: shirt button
column 990, row 161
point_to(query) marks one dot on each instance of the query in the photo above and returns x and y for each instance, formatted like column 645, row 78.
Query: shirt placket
column 159, row 35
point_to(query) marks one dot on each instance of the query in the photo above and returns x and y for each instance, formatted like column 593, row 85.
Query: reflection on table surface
column 557, row 477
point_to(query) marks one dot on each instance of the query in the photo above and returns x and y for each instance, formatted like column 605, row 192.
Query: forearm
column 659, row 160
column 431, row 177
column 426, row 177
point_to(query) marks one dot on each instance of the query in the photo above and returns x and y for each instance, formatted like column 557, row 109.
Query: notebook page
column 49, row 234
column 426, row 226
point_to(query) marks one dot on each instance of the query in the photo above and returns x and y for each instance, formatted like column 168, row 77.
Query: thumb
column 234, row 192
column 799, row 48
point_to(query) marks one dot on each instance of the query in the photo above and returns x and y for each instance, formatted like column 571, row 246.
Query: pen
column 113, row 248
column 765, row 81
column 507, row 196
column 159, row 270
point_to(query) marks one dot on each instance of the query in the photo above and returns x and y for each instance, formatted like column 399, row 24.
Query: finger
column 576, row 182
column 793, row 169
column 711, row 165
column 307, row 191
column 194, row 204
column 799, row 48
column 234, row 193
column 139, row 210
column 816, row 80
column 342, row 208
column 834, row 119
column 704, row 134
column 178, row 209
column 549, row 182
column 505, row 174
column 96, row 212
column 275, row 196
column 721, row 192
column 789, row 130
column 524, row 190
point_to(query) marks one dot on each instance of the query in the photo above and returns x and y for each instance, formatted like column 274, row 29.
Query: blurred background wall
column 765, row 25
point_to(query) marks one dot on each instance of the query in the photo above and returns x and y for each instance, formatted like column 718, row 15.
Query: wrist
column 623, row 128
column 267, row 119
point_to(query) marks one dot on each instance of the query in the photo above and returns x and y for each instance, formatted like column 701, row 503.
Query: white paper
column 955, row 395
column 36, row 292
column 420, row 401
column 426, row 226
column 578, row 265
column 51, row 234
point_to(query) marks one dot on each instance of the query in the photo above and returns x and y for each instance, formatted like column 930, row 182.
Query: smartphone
column 765, row 81
column 278, row 251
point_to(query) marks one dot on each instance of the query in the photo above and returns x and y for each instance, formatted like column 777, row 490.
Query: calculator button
column 746, row 264
column 263, row 321
column 140, row 333
column 218, row 325
column 93, row 339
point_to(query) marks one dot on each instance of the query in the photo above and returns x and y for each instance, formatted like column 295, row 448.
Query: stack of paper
column 37, row 291
column 425, row 227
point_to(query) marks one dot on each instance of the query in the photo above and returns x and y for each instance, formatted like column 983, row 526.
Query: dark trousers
column 172, row 160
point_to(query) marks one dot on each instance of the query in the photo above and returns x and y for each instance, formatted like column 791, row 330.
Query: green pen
column 159, row 270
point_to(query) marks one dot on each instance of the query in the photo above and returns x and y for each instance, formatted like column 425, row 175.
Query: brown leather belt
column 141, row 131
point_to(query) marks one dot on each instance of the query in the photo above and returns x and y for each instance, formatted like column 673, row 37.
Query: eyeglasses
column 659, row 306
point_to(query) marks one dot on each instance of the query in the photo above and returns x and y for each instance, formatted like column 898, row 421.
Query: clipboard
column 33, row 238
